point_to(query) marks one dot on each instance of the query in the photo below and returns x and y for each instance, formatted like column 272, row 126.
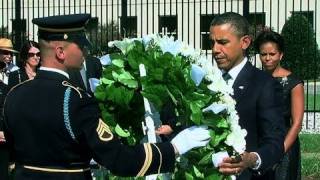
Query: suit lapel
column 242, row 81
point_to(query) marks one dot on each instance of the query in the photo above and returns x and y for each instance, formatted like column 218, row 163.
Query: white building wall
column 148, row 11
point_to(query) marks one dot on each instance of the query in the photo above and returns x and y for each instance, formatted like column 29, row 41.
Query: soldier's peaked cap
column 64, row 28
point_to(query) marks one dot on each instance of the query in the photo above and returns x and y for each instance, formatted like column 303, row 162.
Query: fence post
column 246, row 8
column 17, row 23
column 123, row 18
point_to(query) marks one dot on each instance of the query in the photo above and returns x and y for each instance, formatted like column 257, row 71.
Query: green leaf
column 121, row 132
column 130, row 83
column 118, row 62
column 157, row 94
column 219, row 138
column 215, row 176
column 133, row 60
column 106, row 81
column 215, row 121
column 127, row 79
column 188, row 176
column 156, row 74
column 196, row 115
column 207, row 159
column 197, row 172
column 115, row 75
column 100, row 93
column 174, row 100
column 119, row 95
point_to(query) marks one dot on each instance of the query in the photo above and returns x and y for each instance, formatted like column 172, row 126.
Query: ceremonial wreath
column 176, row 73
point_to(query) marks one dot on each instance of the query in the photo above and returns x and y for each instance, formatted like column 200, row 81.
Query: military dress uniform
column 55, row 129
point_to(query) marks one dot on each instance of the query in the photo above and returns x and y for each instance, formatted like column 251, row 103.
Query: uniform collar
column 55, row 70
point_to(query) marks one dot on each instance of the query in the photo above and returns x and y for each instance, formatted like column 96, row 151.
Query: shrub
column 301, row 49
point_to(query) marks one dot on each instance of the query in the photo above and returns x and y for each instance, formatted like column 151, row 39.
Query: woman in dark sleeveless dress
column 28, row 64
column 270, row 46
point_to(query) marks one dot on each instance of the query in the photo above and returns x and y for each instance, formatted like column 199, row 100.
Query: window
column 205, row 21
column 168, row 25
column 307, row 14
column 129, row 26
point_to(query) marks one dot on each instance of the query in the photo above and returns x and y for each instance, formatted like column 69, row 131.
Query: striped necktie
column 226, row 76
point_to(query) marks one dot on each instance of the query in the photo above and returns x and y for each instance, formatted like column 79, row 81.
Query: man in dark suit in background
column 257, row 96
column 91, row 68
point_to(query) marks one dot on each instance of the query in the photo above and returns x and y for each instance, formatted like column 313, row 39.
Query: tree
column 100, row 35
column 301, row 53
column 4, row 33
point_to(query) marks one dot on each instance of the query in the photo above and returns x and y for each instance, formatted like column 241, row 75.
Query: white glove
column 190, row 138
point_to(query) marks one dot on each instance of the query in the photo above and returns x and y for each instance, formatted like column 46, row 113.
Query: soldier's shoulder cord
column 77, row 89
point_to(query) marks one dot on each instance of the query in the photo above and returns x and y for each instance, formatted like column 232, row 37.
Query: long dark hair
column 24, row 52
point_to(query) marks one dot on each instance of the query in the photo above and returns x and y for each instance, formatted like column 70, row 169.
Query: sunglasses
column 34, row 54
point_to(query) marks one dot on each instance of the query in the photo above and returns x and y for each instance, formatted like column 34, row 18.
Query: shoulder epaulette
column 17, row 85
column 77, row 89
column 14, row 87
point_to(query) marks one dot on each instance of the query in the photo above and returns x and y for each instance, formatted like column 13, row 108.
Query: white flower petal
column 105, row 60
column 197, row 74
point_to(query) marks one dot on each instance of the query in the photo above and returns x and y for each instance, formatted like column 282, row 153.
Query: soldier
column 56, row 128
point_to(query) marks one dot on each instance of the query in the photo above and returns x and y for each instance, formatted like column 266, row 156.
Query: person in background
column 28, row 64
column 4, row 151
column 6, row 55
column 6, row 59
column 60, row 139
column 257, row 96
column 270, row 46
column 91, row 68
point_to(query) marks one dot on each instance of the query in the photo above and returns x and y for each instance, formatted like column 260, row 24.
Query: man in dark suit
column 257, row 96
column 91, row 68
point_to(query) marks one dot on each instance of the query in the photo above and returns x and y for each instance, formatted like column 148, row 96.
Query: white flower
column 197, row 74
column 105, row 60
column 220, row 86
column 125, row 45
column 231, row 103
column 146, row 39
column 236, row 138
column 215, row 108
column 167, row 44
column 187, row 50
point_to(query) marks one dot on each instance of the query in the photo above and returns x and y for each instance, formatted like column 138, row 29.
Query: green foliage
column 168, row 80
column 101, row 34
column 312, row 102
column 310, row 156
column 301, row 54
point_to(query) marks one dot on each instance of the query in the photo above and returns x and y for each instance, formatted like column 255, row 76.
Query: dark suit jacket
column 93, row 70
column 259, row 105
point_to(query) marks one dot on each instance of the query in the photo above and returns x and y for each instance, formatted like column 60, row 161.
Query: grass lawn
column 310, row 156
column 309, row 102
